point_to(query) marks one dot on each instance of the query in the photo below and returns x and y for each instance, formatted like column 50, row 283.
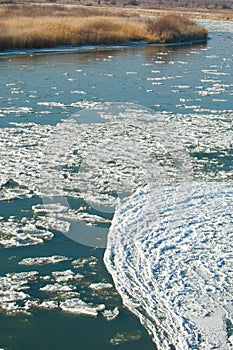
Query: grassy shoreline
column 33, row 27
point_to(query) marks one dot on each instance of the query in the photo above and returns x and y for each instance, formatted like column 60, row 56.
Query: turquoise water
column 97, row 98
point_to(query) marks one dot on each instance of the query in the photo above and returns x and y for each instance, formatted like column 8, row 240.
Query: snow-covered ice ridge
column 170, row 254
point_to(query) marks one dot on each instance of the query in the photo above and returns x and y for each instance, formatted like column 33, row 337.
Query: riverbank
column 33, row 26
column 119, row 8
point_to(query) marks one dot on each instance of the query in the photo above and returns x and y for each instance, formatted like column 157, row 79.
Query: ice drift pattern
column 170, row 255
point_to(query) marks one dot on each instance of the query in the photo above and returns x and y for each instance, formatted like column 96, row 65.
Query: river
column 85, row 131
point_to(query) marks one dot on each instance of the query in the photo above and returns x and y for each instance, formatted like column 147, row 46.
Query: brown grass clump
column 173, row 28
column 18, row 32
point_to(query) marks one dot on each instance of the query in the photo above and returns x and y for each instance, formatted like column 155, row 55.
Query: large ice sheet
column 170, row 254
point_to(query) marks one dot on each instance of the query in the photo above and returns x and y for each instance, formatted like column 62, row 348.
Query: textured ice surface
column 125, row 148
column 170, row 254
column 102, row 160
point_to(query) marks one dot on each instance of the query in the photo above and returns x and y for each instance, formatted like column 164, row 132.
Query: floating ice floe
column 61, row 287
column 124, row 337
column 49, row 208
column 81, row 262
column 100, row 286
column 65, row 276
column 13, row 298
column 16, row 110
column 57, row 215
column 53, row 223
column 78, row 306
column 79, row 92
column 49, row 304
column 111, row 314
column 52, row 104
column 22, row 232
column 57, row 287
column 54, row 259
column 10, row 189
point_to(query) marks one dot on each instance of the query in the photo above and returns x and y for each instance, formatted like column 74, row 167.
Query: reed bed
column 174, row 28
column 39, row 32
column 20, row 32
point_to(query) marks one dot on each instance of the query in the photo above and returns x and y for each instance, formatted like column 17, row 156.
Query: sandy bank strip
column 219, row 15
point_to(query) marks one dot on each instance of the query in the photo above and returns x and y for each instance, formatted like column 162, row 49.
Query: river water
column 140, row 136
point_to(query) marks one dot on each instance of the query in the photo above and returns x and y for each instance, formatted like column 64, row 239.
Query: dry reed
column 50, row 31
column 173, row 28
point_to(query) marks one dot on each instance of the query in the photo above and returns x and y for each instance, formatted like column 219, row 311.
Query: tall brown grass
column 50, row 31
column 41, row 32
column 173, row 28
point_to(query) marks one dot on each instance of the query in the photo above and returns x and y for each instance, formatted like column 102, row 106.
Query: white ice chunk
column 111, row 314
column 100, row 286
column 78, row 306
column 54, row 259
